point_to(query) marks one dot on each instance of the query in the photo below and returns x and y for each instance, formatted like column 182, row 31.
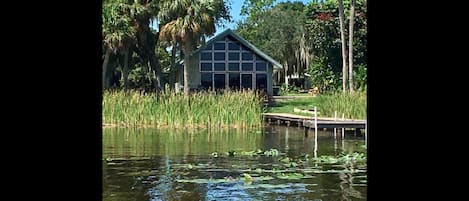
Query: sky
column 235, row 13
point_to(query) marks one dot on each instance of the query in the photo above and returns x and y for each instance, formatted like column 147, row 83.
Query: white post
column 315, row 130
column 365, row 134
column 343, row 129
column 286, row 139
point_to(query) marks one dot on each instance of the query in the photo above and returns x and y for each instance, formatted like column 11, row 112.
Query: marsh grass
column 201, row 109
column 352, row 105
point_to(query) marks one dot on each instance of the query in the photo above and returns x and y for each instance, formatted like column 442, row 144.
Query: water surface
column 170, row 164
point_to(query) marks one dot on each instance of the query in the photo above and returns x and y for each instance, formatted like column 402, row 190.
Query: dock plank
column 323, row 122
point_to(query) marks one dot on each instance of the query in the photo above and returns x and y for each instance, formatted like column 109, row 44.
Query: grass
column 298, row 94
column 353, row 106
column 287, row 106
column 201, row 109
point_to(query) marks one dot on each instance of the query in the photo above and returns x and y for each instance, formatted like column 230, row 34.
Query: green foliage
column 360, row 78
column 344, row 158
column 323, row 32
column 165, row 58
column 140, row 76
column 270, row 152
column 323, row 76
column 202, row 109
column 278, row 31
column 191, row 20
column 118, row 29
column 285, row 89
column 254, row 8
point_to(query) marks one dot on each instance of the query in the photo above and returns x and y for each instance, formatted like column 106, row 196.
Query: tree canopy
column 306, row 38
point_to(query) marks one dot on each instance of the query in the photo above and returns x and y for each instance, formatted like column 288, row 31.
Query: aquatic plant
column 200, row 109
column 343, row 158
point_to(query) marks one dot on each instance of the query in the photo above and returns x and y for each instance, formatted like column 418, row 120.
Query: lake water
column 169, row 164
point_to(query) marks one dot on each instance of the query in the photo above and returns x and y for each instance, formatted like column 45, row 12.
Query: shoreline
column 109, row 125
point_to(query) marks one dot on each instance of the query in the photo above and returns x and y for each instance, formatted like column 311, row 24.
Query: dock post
column 315, row 130
column 365, row 135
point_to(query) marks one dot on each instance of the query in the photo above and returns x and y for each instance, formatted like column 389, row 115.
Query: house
column 229, row 61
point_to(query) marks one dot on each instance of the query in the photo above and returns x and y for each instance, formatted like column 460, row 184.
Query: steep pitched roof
column 242, row 41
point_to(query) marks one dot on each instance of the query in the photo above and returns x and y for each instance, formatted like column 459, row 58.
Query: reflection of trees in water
column 346, row 183
column 176, row 142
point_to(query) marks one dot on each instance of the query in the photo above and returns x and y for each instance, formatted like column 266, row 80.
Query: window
column 206, row 80
column 219, row 66
column 233, row 56
column 228, row 63
column 233, row 46
column 246, row 81
column 205, row 66
column 258, row 58
column 219, row 80
column 261, row 66
column 208, row 47
column 234, row 80
column 219, row 56
column 233, row 66
column 247, row 56
column 261, row 81
column 246, row 67
column 244, row 48
column 231, row 38
column 206, row 56
column 219, row 46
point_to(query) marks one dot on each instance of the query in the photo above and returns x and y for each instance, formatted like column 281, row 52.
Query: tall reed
column 352, row 105
column 200, row 109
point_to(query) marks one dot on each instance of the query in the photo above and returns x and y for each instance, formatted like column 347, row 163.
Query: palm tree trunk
column 350, row 45
column 187, row 48
column 344, row 52
column 148, row 45
column 172, row 71
column 156, row 67
column 125, row 71
column 105, row 64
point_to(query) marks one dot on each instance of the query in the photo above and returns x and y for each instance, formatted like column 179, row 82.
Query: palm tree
column 188, row 22
column 118, row 33
column 342, row 38
column 144, row 11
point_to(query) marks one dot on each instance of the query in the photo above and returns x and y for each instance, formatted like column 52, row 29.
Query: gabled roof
column 242, row 41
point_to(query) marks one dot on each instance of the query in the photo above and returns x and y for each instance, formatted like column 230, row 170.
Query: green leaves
column 278, row 31
column 118, row 27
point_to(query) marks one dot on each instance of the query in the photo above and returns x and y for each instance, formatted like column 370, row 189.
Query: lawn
column 352, row 106
column 287, row 105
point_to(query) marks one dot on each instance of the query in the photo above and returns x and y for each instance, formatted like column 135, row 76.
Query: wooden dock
column 305, row 121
